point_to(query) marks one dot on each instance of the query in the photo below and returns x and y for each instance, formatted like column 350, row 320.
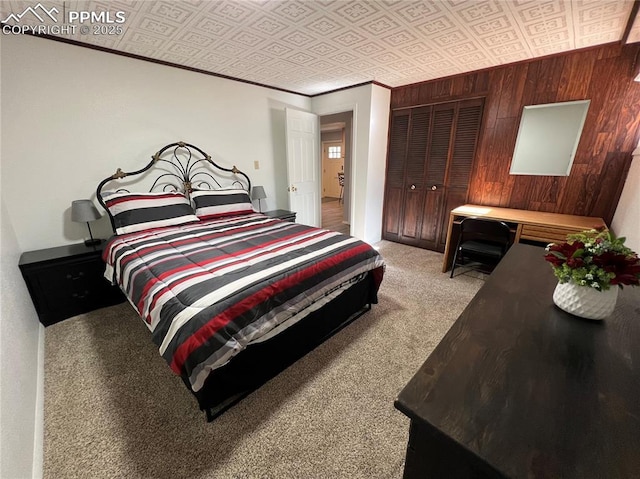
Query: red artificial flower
column 625, row 267
column 575, row 263
column 564, row 253
column 554, row 260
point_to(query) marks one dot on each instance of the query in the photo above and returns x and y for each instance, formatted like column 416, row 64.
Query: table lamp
column 257, row 193
column 83, row 211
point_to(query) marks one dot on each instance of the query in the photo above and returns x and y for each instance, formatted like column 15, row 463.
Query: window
column 334, row 152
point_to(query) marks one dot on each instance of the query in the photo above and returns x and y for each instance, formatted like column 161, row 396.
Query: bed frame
column 260, row 362
column 186, row 167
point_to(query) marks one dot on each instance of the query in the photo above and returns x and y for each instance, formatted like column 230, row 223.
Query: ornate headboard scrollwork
column 184, row 168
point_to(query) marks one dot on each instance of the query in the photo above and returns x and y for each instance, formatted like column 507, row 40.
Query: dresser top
column 529, row 389
column 60, row 252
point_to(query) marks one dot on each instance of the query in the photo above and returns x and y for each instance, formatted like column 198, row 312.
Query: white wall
column 21, row 359
column 21, row 381
column 626, row 219
column 377, row 163
column 72, row 115
column 370, row 105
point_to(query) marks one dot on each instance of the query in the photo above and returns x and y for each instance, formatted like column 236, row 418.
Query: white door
column 332, row 164
column 303, row 166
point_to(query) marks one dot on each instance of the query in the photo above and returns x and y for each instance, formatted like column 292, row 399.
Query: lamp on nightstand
column 83, row 211
column 257, row 193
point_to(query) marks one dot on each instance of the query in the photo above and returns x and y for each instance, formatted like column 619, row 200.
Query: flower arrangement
column 594, row 258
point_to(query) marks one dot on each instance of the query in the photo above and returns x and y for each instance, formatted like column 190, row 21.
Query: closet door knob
column 434, row 188
column 413, row 187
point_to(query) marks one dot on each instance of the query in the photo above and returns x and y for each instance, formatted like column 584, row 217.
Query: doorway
column 335, row 141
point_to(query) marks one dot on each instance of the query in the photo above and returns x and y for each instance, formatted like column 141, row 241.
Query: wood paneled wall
column 611, row 131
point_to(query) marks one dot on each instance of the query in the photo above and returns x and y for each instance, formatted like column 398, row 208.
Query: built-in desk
column 520, row 389
column 530, row 226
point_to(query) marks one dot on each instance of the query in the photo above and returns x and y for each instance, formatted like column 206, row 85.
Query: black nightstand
column 282, row 215
column 67, row 280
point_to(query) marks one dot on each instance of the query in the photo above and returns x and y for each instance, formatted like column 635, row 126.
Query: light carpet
column 113, row 408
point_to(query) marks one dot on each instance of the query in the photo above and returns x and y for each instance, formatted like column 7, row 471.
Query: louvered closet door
column 439, row 148
column 431, row 152
column 405, row 187
column 394, row 185
column 466, row 132
column 414, row 186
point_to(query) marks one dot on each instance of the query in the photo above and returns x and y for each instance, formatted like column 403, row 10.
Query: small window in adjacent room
column 334, row 152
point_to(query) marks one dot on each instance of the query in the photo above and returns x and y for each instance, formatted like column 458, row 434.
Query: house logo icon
column 39, row 11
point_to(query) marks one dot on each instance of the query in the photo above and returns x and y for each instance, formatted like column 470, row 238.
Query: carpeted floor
column 114, row 409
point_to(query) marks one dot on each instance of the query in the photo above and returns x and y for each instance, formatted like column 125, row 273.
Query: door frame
column 352, row 108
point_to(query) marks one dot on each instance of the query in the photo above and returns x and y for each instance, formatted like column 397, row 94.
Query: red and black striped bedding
column 206, row 290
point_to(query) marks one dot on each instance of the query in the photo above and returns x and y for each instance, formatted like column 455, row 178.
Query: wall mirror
column 548, row 138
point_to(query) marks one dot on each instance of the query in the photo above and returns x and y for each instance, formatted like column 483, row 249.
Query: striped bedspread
column 207, row 290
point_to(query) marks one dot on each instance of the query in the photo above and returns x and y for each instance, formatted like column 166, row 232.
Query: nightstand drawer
column 67, row 281
column 284, row 215
column 77, row 283
column 291, row 218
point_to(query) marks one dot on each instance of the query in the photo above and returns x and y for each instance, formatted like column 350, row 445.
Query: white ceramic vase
column 584, row 301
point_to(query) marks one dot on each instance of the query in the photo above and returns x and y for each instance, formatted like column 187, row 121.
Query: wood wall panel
column 513, row 85
column 603, row 75
column 576, row 76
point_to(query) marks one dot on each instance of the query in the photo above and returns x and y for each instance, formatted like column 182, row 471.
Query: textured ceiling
column 311, row 47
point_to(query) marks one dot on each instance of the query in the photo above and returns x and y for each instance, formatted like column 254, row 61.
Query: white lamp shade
column 83, row 211
column 257, row 193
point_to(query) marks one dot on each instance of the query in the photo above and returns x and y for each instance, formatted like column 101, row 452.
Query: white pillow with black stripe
column 141, row 211
column 218, row 203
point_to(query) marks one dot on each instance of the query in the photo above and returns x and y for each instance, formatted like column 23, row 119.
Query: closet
column 429, row 163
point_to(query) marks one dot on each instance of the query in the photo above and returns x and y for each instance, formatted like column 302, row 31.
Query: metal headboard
column 187, row 171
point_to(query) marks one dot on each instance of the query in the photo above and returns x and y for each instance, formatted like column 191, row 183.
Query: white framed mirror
column 548, row 138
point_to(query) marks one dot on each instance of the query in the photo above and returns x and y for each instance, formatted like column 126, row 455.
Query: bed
column 231, row 297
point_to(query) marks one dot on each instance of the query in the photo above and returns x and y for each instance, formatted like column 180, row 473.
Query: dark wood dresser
column 66, row 281
column 518, row 388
